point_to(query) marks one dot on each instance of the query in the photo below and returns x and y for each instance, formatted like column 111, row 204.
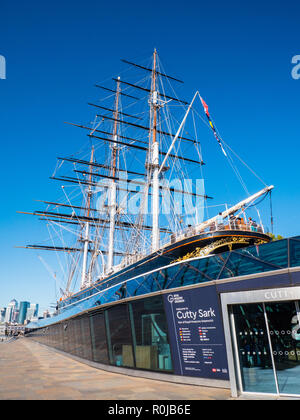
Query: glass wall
column 150, row 336
column 119, row 336
column 284, row 326
column 98, row 338
column 255, row 358
column 131, row 335
column 268, row 342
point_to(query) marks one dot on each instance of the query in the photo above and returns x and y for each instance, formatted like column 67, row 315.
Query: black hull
column 221, row 241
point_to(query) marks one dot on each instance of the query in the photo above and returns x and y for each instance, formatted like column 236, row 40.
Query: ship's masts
column 84, row 281
column 113, row 186
column 155, row 161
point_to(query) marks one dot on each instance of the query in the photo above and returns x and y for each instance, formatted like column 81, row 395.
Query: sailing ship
column 129, row 207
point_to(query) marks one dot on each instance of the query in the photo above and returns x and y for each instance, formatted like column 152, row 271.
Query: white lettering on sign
column 279, row 294
column 208, row 313
column 2, row 67
column 296, row 69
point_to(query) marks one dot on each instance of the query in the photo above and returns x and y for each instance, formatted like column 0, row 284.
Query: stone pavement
column 29, row 371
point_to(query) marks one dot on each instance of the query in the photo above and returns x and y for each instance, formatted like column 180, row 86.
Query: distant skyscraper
column 2, row 314
column 32, row 311
column 23, row 312
column 15, row 316
column 10, row 311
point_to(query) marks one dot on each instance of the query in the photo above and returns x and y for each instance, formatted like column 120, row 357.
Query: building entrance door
column 284, row 329
column 267, row 342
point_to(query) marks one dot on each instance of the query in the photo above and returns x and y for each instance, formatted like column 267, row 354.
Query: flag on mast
column 205, row 106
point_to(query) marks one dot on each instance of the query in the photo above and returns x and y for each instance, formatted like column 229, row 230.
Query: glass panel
column 209, row 268
column 274, row 253
column 78, row 343
column 71, row 333
column 151, row 342
column 254, row 351
column 66, row 336
column 86, row 338
column 294, row 253
column 98, row 336
column 119, row 336
column 284, row 326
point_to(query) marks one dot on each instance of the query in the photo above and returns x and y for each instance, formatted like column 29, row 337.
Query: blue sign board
column 196, row 333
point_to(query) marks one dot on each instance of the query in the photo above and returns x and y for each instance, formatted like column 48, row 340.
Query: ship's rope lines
column 139, row 219
column 144, row 212
column 66, row 255
column 230, row 148
column 72, row 273
column 197, row 146
column 73, row 265
column 161, row 90
column 137, row 231
column 54, row 276
column 200, row 155
column 199, row 152
column 181, row 105
column 235, row 169
column 232, row 164
column 174, row 164
column 120, row 205
column 182, row 175
column 85, row 199
column 52, row 237
column 137, row 235
column 165, row 118
column 57, row 255
column 125, row 70
column 245, row 164
column 162, row 70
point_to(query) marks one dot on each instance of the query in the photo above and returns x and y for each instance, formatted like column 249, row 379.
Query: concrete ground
column 29, row 371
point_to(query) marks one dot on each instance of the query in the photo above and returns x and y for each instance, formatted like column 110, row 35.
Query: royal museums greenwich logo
column 296, row 67
column 2, row 67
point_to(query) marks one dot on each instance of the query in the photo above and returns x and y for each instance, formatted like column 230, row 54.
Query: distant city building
column 46, row 314
column 10, row 311
column 2, row 330
column 23, row 312
column 15, row 316
column 2, row 314
column 32, row 311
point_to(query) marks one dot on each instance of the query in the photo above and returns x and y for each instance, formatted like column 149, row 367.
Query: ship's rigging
column 129, row 194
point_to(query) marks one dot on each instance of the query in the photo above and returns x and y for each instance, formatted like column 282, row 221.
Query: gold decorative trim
column 210, row 248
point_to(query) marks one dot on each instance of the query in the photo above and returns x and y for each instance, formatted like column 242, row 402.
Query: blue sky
column 238, row 54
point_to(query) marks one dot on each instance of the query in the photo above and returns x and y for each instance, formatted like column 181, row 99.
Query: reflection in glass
column 119, row 336
column 254, row 350
column 98, row 338
column 149, row 326
column 284, row 326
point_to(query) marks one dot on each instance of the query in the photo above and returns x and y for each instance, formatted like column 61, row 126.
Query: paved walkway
column 29, row 371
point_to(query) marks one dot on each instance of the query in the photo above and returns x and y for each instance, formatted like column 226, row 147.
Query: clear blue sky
column 238, row 54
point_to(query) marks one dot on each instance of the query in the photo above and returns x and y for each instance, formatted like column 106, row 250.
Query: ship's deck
column 215, row 239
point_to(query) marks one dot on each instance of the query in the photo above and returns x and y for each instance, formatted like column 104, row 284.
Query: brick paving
column 29, row 371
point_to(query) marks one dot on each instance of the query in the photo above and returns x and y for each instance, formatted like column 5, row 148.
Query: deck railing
column 191, row 231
